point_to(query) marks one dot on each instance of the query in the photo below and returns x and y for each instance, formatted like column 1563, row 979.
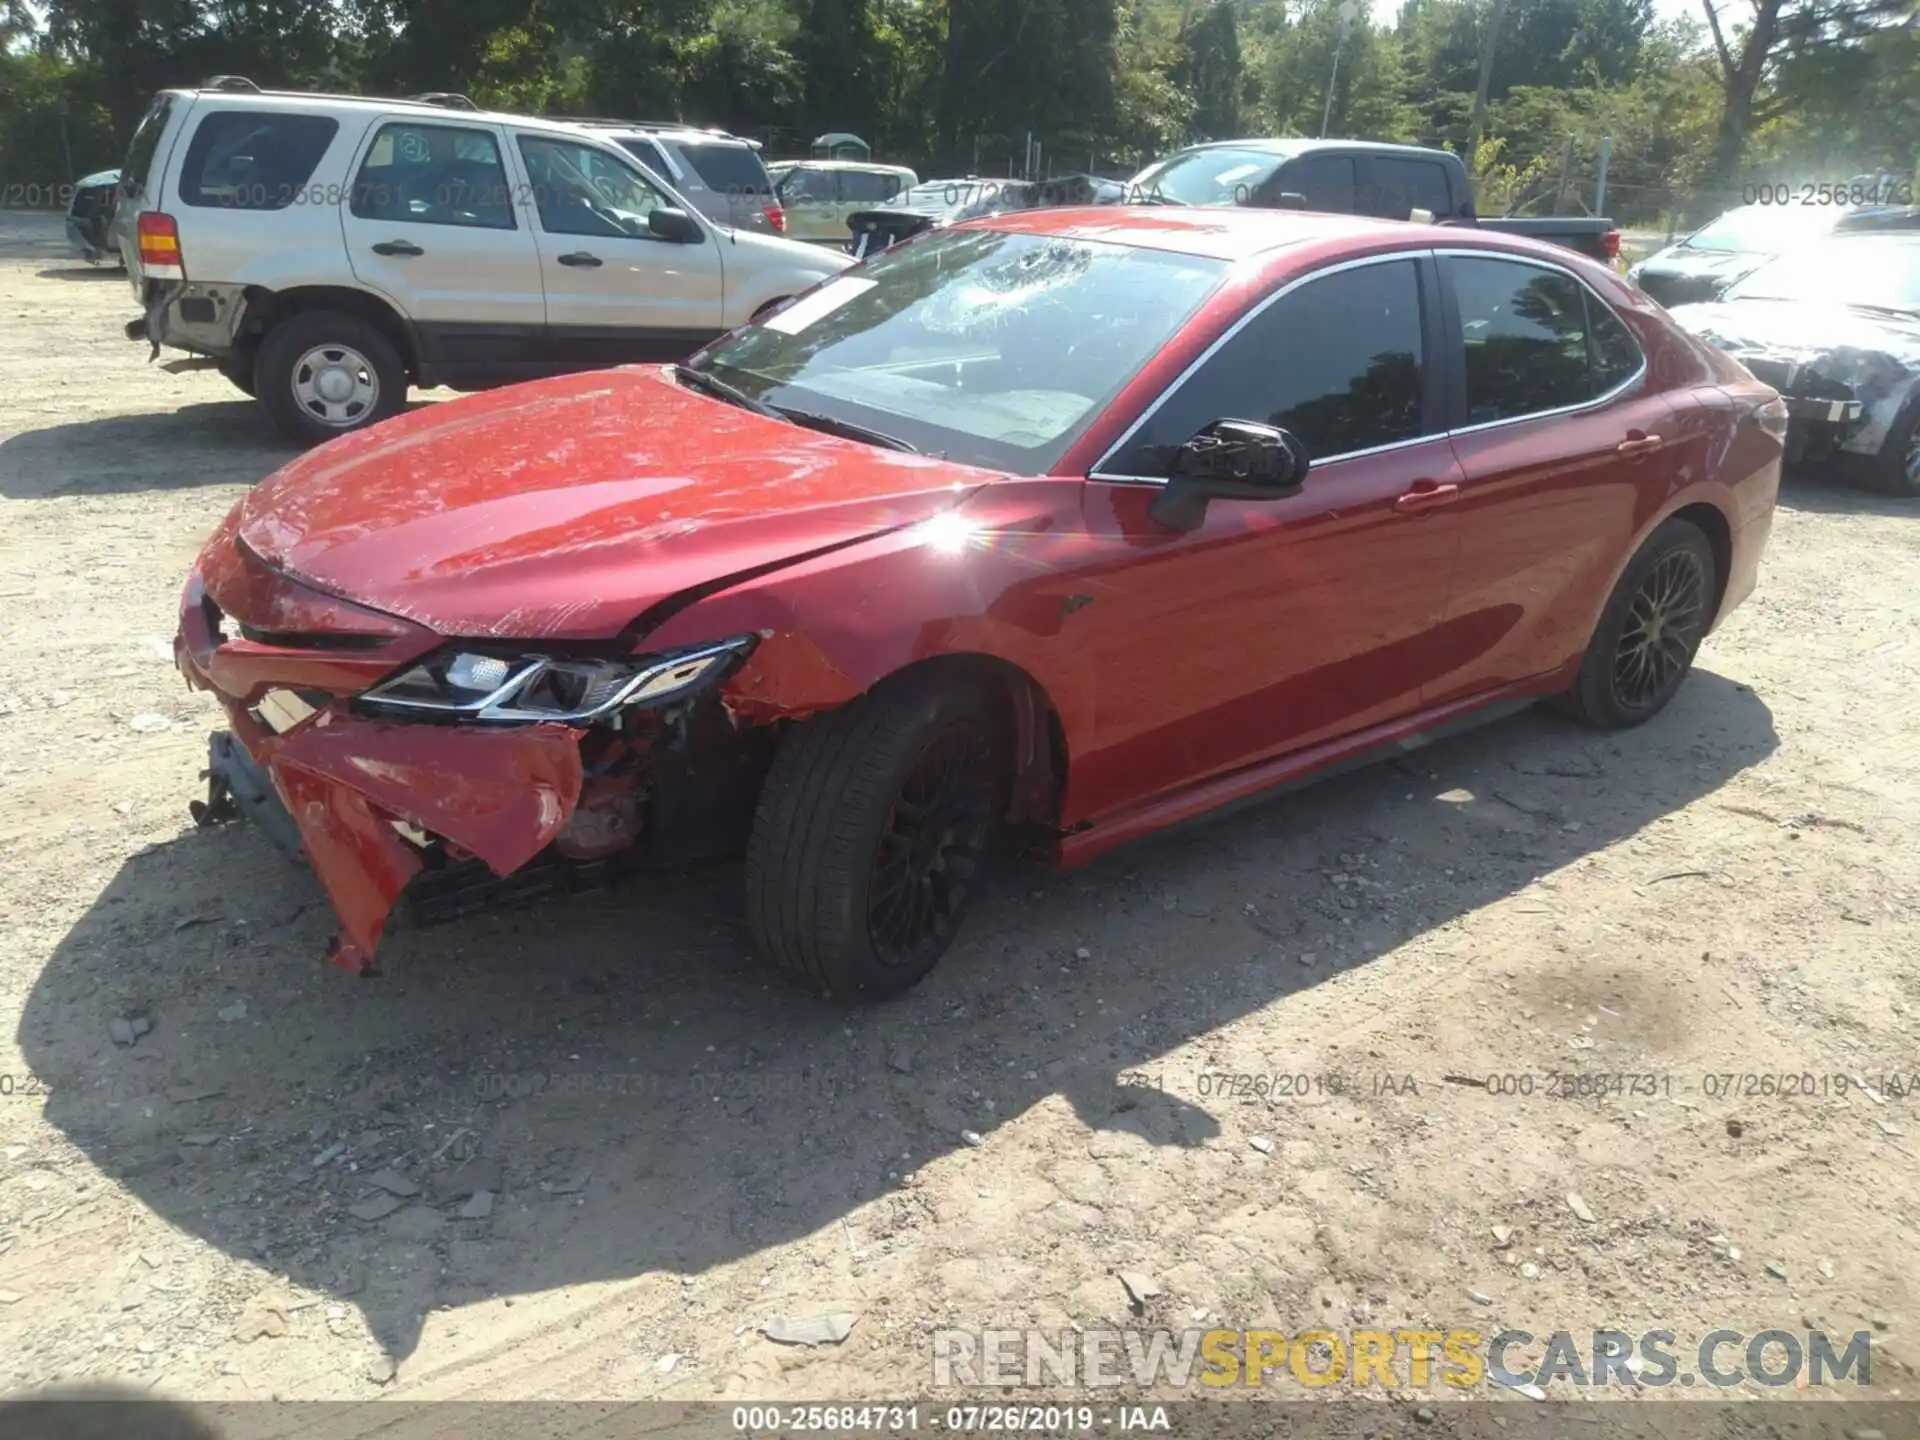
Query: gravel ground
column 273, row 1191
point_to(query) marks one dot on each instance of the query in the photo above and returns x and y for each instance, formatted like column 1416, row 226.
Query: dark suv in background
column 721, row 174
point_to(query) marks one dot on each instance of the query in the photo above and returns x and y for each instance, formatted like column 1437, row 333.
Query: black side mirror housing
column 1230, row 460
column 675, row 225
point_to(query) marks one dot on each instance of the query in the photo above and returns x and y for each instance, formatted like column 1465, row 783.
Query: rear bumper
column 199, row 318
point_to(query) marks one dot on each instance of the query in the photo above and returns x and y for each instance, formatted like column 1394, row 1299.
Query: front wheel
column 872, row 834
column 1649, row 633
column 322, row 373
column 1896, row 469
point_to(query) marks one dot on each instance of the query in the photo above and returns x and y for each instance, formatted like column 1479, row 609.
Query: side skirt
column 1255, row 784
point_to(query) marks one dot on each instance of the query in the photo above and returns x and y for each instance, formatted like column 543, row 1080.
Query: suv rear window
column 146, row 143
column 253, row 159
column 730, row 169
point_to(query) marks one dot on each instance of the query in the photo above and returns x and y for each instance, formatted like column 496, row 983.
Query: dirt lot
column 678, row 1146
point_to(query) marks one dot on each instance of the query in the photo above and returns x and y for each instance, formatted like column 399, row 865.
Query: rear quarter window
column 253, row 159
column 730, row 169
column 134, row 178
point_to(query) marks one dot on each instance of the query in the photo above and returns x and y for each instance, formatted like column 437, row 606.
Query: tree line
column 1696, row 109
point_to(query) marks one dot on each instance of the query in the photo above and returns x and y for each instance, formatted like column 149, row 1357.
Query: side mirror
column 1230, row 460
column 675, row 225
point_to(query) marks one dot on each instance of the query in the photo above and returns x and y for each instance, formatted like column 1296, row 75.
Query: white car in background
column 326, row 252
column 819, row 195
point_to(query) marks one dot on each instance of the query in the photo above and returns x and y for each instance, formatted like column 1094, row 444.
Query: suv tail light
column 1610, row 244
column 159, row 246
column 777, row 218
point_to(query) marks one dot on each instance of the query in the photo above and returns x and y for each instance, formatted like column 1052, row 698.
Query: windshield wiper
column 833, row 425
column 713, row 385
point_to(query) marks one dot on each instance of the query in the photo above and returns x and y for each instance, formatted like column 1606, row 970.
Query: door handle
column 397, row 247
column 1425, row 495
column 1638, row 442
column 580, row 257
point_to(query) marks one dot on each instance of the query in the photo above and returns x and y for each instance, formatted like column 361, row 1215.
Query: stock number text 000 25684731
column 1886, row 191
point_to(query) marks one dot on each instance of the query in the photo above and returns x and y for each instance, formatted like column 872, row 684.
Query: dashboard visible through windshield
column 987, row 347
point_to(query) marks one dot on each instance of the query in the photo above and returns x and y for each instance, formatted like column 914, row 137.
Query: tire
column 1629, row 675
column 326, row 360
column 846, row 885
column 1896, row 469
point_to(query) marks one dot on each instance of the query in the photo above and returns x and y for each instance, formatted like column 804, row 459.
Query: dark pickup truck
column 1350, row 177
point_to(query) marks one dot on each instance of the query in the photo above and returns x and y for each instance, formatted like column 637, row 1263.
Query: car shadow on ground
column 83, row 272
column 220, row 443
column 1831, row 490
column 636, row 1094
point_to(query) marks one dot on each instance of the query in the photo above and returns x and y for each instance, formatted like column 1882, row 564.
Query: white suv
column 329, row 251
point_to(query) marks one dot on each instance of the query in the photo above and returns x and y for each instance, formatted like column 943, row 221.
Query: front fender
column 992, row 578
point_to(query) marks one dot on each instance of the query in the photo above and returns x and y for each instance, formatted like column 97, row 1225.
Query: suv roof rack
column 232, row 82
column 445, row 99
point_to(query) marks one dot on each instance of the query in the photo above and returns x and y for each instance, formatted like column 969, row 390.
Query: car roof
column 314, row 99
column 845, row 165
column 1228, row 233
column 1289, row 146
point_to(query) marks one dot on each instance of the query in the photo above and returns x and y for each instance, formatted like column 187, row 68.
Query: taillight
column 1772, row 416
column 159, row 246
column 1610, row 244
column 777, row 218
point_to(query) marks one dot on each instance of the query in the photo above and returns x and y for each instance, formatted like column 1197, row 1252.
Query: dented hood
column 566, row 508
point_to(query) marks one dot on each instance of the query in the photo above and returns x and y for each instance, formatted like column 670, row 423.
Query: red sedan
column 1075, row 523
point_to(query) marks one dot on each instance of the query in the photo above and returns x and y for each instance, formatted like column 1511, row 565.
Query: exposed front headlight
column 470, row 685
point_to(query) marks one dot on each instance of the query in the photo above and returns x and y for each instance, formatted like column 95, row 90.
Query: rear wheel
column 872, row 835
column 1649, row 633
column 322, row 373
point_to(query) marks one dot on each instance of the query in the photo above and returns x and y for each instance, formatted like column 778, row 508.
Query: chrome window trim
column 1583, row 406
column 1226, row 336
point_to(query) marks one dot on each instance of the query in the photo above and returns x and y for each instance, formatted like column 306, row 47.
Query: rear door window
column 1396, row 187
column 1616, row 354
column 1325, row 180
column 253, row 159
column 808, row 187
column 134, row 178
column 1536, row 340
column 434, row 175
column 868, row 187
column 729, row 169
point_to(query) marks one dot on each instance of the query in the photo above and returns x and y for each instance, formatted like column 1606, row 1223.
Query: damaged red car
column 1065, row 525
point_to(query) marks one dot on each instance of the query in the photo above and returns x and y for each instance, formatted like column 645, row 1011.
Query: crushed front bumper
column 1831, row 412
column 362, row 799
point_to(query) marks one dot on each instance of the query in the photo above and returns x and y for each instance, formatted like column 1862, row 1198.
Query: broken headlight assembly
column 463, row 684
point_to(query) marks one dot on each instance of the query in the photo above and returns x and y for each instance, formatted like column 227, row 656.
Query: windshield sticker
column 817, row 306
column 1237, row 173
